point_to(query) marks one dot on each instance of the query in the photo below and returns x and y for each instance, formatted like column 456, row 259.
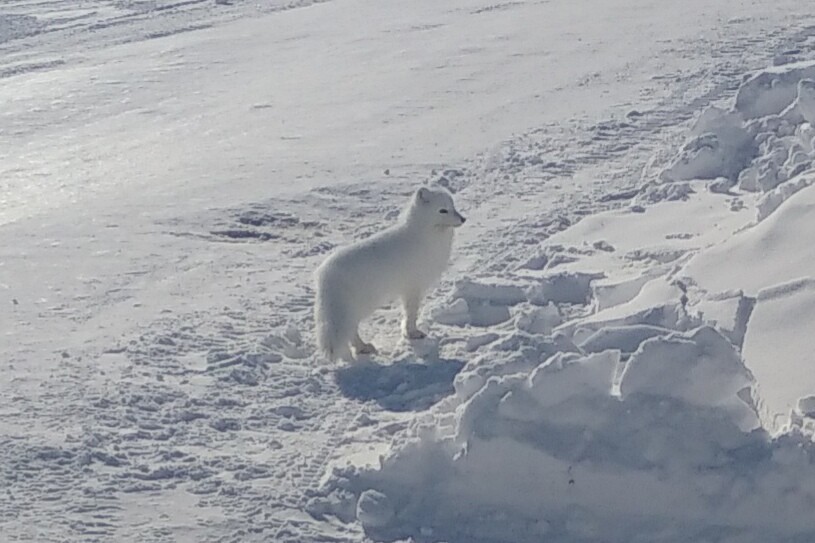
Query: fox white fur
column 401, row 262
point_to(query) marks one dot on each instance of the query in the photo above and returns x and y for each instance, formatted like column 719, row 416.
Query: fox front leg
column 410, row 303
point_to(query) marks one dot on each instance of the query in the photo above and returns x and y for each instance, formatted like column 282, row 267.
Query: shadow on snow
column 405, row 385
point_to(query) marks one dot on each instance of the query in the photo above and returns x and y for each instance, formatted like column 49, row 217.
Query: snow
column 777, row 350
column 554, row 452
column 625, row 339
column 721, row 146
column 771, row 90
column 772, row 252
column 619, row 352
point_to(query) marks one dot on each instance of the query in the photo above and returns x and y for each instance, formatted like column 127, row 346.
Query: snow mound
column 540, row 320
column 554, row 452
column 610, row 292
column 728, row 312
column 770, row 91
column 763, row 142
column 564, row 288
column 720, row 147
column 644, row 377
column 658, row 303
column 777, row 196
column 756, row 287
column 777, row 250
column 700, row 367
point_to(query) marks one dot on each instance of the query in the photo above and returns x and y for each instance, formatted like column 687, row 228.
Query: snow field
column 158, row 372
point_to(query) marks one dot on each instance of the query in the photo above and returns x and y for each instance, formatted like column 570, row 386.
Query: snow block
column 777, row 196
column 564, row 288
column 720, row 147
column 778, row 349
column 728, row 313
column 699, row 367
column 770, row 91
column 626, row 339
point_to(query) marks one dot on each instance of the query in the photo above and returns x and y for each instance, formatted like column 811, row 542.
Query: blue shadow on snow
column 402, row 386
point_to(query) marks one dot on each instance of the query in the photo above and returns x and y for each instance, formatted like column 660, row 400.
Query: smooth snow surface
column 775, row 251
column 619, row 352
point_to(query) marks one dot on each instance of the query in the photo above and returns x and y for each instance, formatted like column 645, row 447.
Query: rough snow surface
column 673, row 402
column 619, row 352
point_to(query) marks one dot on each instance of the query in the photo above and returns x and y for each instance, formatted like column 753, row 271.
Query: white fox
column 400, row 262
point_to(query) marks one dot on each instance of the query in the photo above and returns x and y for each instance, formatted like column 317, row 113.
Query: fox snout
column 461, row 218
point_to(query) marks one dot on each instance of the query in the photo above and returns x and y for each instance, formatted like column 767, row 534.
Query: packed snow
column 619, row 351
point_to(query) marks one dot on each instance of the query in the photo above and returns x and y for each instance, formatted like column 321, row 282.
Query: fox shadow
column 405, row 385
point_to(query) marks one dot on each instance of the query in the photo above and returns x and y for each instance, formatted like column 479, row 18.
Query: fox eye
column 443, row 211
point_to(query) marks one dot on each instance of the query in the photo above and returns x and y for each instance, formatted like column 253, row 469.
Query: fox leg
column 360, row 347
column 410, row 304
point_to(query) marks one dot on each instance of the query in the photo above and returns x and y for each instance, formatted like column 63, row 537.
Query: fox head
column 434, row 207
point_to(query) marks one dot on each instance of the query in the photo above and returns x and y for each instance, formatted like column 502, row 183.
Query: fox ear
column 423, row 195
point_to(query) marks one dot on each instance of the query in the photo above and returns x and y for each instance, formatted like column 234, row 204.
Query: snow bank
column 700, row 367
column 729, row 312
column 479, row 304
column 778, row 349
column 770, row 91
column 757, row 286
column 720, row 147
column 764, row 141
column 658, row 303
column 625, row 339
column 483, row 304
column 777, row 250
column 647, row 377
column 774, row 198
column 573, row 449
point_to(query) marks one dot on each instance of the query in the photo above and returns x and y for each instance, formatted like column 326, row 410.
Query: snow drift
column 653, row 385
column 582, row 447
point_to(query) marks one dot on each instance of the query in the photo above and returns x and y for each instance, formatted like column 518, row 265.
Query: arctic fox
column 400, row 262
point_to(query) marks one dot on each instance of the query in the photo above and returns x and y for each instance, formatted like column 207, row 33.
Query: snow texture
column 619, row 352
column 674, row 406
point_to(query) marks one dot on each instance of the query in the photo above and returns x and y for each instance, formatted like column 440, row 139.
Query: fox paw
column 366, row 348
column 415, row 334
